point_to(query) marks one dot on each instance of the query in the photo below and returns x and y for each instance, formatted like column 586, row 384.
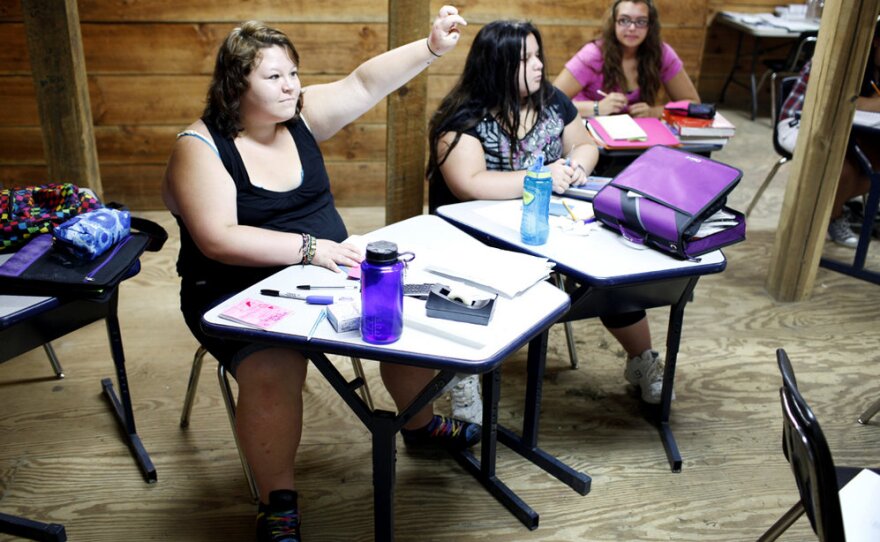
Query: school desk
column 28, row 322
column 449, row 349
column 866, row 132
column 759, row 26
column 611, row 278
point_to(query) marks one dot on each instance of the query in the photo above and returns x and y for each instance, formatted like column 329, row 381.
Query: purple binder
column 663, row 197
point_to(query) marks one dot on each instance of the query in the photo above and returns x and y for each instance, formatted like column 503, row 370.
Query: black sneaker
column 279, row 520
column 443, row 432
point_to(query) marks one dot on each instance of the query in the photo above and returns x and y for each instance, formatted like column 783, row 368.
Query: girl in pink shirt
column 622, row 72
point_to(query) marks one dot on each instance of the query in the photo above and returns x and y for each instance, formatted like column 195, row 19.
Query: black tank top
column 306, row 209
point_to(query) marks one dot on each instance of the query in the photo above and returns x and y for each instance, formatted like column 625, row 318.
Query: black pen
column 310, row 299
column 317, row 287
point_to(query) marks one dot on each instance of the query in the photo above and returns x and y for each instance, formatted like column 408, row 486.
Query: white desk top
column 514, row 320
column 600, row 258
column 767, row 25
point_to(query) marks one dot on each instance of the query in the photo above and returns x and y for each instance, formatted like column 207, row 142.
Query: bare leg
column 852, row 183
column 404, row 383
column 269, row 415
column 635, row 338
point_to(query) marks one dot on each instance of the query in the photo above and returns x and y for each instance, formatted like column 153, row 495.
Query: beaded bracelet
column 304, row 250
column 313, row 246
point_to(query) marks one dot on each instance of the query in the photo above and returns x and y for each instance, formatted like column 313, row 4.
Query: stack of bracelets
column 309, row 246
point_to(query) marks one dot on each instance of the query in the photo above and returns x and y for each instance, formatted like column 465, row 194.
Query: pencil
column 570, row 212
column 877, row 90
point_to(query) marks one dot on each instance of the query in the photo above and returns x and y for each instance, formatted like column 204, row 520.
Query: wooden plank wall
column 149, row 62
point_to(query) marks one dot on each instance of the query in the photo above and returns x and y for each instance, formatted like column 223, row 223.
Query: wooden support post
column 59, row 73
column 406, row 137
column 836, row 73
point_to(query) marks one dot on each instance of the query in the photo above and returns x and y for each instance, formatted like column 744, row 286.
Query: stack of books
column 715, row 131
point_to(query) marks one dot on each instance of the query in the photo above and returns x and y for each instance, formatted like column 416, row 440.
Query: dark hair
column 649, row 54
column 489, row 85
column 237, row 57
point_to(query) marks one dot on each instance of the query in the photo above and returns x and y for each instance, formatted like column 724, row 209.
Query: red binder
column 657, row 132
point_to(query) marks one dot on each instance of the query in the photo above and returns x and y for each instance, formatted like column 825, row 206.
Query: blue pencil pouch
column 89, row 235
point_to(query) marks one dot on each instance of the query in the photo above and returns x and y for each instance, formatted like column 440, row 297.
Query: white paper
column 622, row 128
column 858, row 504
column 502, row 271
column 867, row 118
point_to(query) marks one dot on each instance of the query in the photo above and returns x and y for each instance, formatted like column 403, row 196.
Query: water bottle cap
column 538, row 169
column 381, row 252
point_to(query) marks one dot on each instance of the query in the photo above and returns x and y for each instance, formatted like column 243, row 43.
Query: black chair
column 818, row 480
column 800, row 52
column 781, row 87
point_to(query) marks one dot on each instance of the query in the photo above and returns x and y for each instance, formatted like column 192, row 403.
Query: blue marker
column 310, row 299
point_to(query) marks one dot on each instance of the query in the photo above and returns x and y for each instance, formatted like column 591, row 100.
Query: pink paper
column 255, row 313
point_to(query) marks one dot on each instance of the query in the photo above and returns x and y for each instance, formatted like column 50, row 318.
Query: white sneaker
column 840, row 232
column 467, row 404
column 646, row 372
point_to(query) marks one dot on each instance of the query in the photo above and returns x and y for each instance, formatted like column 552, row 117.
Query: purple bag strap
column 26, row 256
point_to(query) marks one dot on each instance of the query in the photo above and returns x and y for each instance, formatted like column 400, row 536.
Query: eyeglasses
column 625, row 22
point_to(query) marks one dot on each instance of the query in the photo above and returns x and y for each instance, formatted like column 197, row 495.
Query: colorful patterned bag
column 32, row 210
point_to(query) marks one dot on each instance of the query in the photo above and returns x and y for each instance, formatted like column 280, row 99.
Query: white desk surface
column 766, row 25
column 11, row 304
column 600, row 258
column 513, row 319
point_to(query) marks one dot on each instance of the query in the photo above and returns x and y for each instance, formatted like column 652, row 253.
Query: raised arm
column 328, row 108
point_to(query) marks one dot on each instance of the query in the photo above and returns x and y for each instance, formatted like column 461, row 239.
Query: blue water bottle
column 537, row 187
column 381, row 294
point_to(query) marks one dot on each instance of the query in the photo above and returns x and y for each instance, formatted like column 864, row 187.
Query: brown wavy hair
column 649, row 54
column 237, row 57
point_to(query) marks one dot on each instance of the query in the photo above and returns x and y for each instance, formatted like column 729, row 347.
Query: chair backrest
column 806, row 449
column 781, row 88
column 803, row 51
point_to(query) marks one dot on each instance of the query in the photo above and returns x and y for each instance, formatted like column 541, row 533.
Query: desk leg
column 383, row 427
column 753, row 83
column 484, row 470
column 32, row 530
column 857, row 268
column 123, row 409
column 527, row 444
column 673, row 339
column 733, row 69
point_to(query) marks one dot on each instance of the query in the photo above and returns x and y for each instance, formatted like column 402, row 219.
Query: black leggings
column 623, row 319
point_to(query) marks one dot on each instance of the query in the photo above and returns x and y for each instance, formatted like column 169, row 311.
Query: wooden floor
column 62, row 459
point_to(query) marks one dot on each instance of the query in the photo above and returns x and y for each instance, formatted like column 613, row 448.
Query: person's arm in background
column 328, row 108
column 680, row 87
column 581, row 152
column 676, row 82
column 868, row 103
column 467, row 177
column 612, row 103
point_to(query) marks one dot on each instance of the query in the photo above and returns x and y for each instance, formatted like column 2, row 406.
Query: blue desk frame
column 857, row 267
column 384, row 425
column 594, row 296
column 51, row 319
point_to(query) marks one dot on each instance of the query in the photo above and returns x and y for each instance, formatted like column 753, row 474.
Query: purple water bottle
column 381, row 294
